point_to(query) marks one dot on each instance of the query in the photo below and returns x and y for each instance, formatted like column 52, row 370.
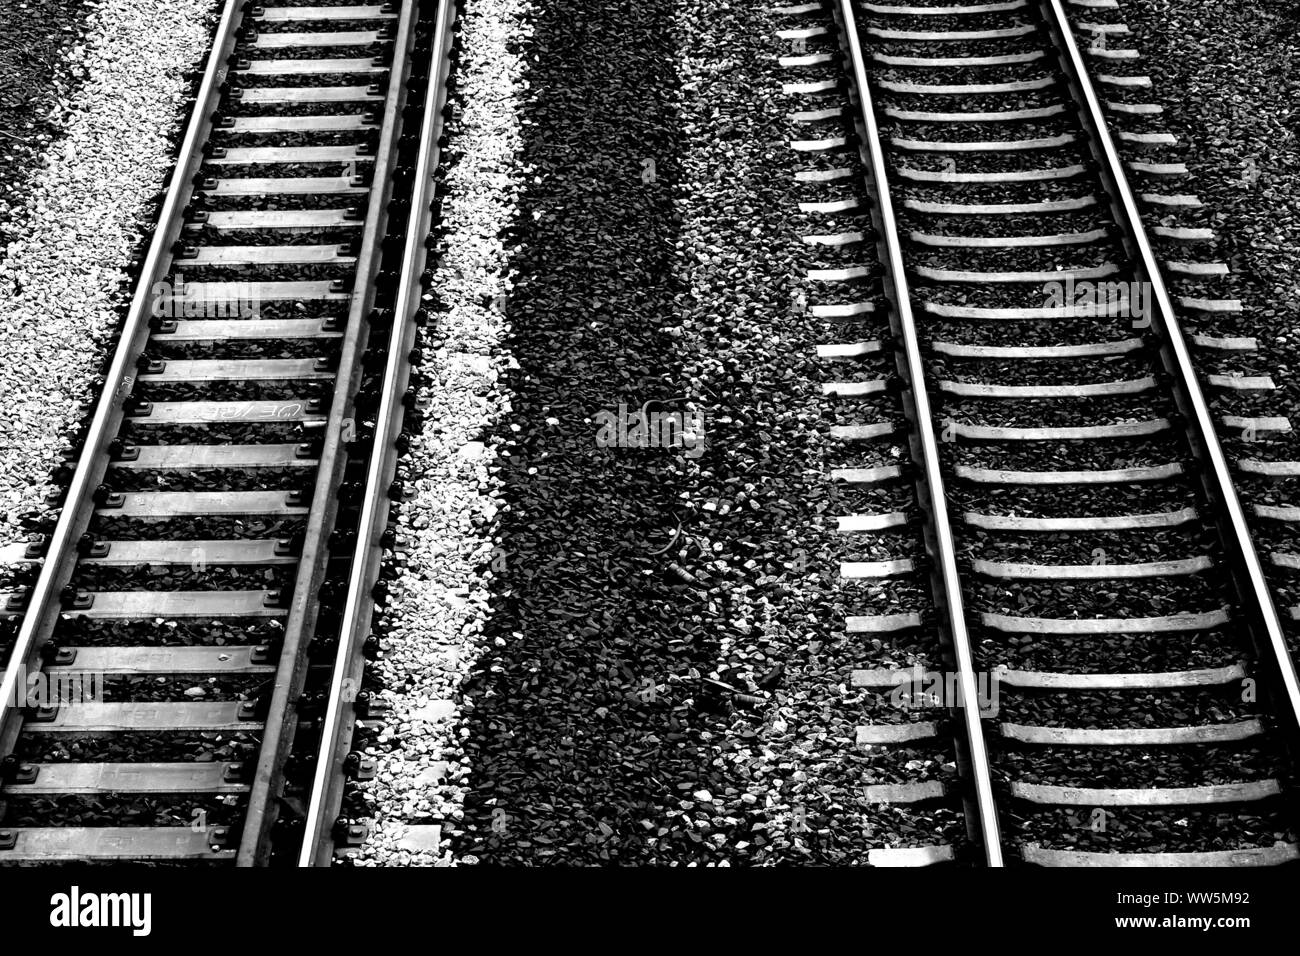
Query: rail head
column 44, row 601
column 925, row 444
column 304, row 604
column 339, row 721
column 1264, row 622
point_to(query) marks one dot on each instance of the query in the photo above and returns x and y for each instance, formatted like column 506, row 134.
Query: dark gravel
column 626, row 291
column 35, row 83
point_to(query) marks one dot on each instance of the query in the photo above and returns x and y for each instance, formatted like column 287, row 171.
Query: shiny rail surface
column 925, row 453
column 339, row 722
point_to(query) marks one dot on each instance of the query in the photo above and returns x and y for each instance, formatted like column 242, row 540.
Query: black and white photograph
column 844, row 440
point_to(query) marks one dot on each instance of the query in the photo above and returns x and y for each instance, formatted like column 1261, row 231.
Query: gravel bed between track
column 61, row 281
column 433, row 621
column 549, row 710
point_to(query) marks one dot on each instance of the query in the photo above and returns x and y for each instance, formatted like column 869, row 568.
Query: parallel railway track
column 993, row 301
column 252, row 412
column 1089, row 559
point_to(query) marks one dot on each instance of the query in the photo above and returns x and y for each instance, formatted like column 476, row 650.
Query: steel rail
column 1264, row 623
column 291, row 673
column 43, row 605
column 340, row 716
column 925, row 446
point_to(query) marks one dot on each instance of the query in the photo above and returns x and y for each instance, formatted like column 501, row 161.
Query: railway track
column 1064, row 506
column 1095, row 587
column 206, row 591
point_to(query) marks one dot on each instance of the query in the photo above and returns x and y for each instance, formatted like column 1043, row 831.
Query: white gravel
column 60, row 280
column 437, row 605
